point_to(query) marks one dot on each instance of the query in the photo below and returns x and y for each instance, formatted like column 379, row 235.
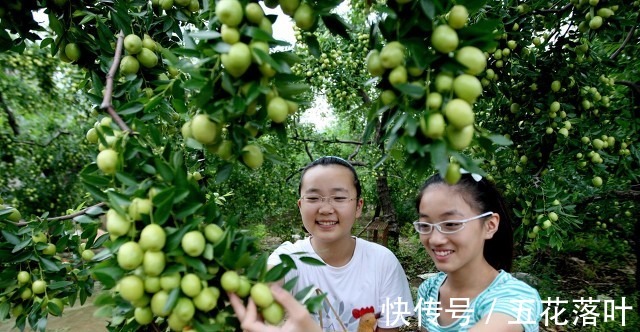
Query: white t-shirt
column 372, row 278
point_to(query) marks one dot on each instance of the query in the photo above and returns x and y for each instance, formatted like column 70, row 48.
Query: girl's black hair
column 332, row 160
column 483, row 196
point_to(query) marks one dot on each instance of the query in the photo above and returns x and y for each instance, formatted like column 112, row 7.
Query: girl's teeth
column 443, row 252
column 327, row 223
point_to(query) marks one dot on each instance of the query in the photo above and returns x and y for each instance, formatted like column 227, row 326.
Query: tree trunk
column 388, row 211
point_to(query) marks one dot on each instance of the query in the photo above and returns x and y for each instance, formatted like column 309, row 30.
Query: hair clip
column 475, row 176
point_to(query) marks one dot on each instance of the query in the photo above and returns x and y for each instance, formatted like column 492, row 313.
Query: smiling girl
column 358, row 274
column 466, row 230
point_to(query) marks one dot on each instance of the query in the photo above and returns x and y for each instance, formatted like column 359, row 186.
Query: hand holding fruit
column 298, row 319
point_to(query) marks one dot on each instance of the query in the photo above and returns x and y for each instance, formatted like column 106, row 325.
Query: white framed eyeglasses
column 447, row 226
column 334, row 200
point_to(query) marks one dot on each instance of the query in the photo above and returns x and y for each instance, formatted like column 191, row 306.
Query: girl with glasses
column 358, row 274
column 466, row 229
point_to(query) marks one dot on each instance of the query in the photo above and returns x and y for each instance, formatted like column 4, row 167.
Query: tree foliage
column 191, row 118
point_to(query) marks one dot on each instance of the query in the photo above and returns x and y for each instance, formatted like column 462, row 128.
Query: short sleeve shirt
column 505, row 294
column 372, row 278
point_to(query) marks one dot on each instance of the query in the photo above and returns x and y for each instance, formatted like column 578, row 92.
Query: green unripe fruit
column 153, row 263
column 87, row 255
column 273, row 314
column 304, row 17
column 459, row 113
column 229, row 12
column 245, row 287
column 452, row 176
column 398, row 75
column 458, row 16
column 193, row 243
column 229, row 35
column 143, row 316
column 277, row 110
column 459, row 139
column 392, row 55
column 473, row 59
column 130, row 255
column 129, row 65
column 261, row 295
column 434, row 100
column 433, row 126
column 133, row 44
column 444, row 39
column 467, row 87
column 170, row 281
column 184, row 309
column 238, row 60
column 147, row 58
column 131, row 288
column 158, row 304
column 388, row 97
column 374, row 63
column 252, row 156
column 107, row 161
column 38, row 287
column 206, row 300
column 213, row 233
column 254, row 13
column 190, row 285
column 230, row 281
column 204, row 130
column 23, row 277
column 72, row 51
column 152, row 237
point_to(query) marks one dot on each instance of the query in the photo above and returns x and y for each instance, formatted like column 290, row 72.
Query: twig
column 335, row 313
column 559, row 10
column 624, row 43
column 56, row 135
column 335, row 140
column 108, row 93
column 11, row 118
column 73, row 215
column 65, row 217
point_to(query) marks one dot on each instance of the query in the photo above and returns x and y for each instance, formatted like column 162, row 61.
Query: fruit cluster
column 186, row 6
column 271, row 311
column 139, row 52
column 450, row 90
column 595, row 15
column 148, row 283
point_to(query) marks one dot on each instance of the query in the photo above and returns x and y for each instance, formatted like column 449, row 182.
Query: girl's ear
column 491, row 225
column 359, row 207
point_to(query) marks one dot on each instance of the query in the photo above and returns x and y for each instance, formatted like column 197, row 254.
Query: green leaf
column 312, row 261
column 60, row 284
column 336, row 25
column 84, row 219
column 173, row 298
column 164, row 169
column 132, row 108
column 108, row 275
column 223, row 172
column 439, row 156
column 313, row 44
column 290, row 284
column 255, row 271
column 50, row 265
column 188, row 209
column 10, row 237
column 500, row 140
column 411, row 90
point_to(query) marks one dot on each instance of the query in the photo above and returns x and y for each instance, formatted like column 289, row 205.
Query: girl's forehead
column 328, row 175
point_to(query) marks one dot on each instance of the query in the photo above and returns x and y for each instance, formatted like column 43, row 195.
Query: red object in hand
column 357, row 313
